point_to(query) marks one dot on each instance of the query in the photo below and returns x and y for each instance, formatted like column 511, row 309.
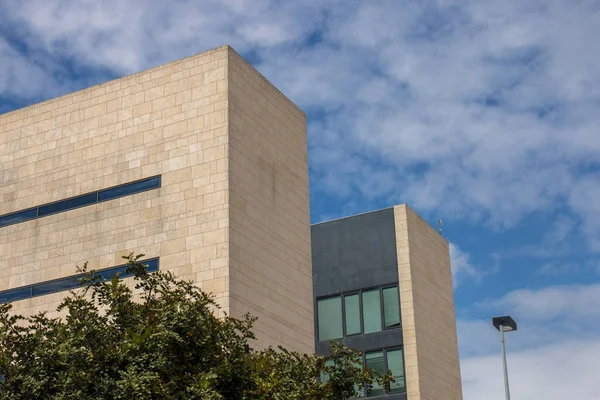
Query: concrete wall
column 354, row 253
column 270, row 274
column 427, row 308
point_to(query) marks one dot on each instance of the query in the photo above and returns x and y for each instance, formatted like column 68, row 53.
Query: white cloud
column 565, row 370
column 474, row 109
column 551, row 356
column 479, row 110
column 462, row 268
column 558, row 269
column 569, row 302
column 20, row 77
column 584, row 199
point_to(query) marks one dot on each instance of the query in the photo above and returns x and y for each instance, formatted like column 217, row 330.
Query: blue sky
column 479, row 112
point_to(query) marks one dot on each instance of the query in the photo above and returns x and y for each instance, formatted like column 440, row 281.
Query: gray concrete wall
column 354, row 253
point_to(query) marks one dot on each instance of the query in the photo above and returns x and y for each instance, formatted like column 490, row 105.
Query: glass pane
column 395, row 361
column 371, row 311
column 391, row 307
column 325, row 375
column 358, row 393
column 11, row 295
column 352, row 314
column 107, row 274
column 68, row 204
column 130, row 188
column 18, row 217
column 56, row 286
column 151, row 264
column 330, row 318
column 374, row 360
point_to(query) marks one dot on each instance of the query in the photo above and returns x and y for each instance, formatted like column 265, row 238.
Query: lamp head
column 507, row 323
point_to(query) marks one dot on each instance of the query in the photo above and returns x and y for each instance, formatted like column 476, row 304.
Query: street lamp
column 504, row 324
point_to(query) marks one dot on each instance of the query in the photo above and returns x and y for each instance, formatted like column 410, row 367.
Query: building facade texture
column 201, row 164
column 231, row 212
column 383, row 285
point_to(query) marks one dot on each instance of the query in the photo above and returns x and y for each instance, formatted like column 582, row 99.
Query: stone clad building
column 201, row 164
column 231, row 211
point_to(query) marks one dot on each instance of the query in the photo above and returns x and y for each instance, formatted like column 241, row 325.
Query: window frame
column 387, row 390
column 360, row 315
column 359, row 292
column 317, row 331
column 397, row 286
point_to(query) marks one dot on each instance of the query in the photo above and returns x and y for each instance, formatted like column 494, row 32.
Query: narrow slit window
column 80, row 201
column 18, row 217
column 108, row 274
column 69, row 204
column 58, row 285
column 8, row 296
column 130, row 188
column 69, row 282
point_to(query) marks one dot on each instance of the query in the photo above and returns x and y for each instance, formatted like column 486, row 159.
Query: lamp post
column 505, row 324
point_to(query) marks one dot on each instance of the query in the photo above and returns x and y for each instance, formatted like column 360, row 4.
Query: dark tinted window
column 131, row 188
column 80, row 201
column 108, row 274
column 56, row 286
column 363, row 312
column 391, row 307
column 70, row 282
column 15, row 294
column 18, row 217
column 395, row 361
column 375, row 361
column 151, row 264
column 68, row 204
column 352, row 314
column 330, row 318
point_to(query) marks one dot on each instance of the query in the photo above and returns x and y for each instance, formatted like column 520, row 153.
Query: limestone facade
column 231, row 214
column 427, row 309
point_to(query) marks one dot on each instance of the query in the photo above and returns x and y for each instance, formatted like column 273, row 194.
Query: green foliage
column 164, row 342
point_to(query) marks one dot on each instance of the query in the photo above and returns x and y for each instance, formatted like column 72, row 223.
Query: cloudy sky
column 484, row 113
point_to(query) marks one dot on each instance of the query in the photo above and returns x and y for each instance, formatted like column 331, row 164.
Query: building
column 201, row 164
column 383, row 285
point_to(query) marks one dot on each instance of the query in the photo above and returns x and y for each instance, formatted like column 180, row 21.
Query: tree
column 166, row 344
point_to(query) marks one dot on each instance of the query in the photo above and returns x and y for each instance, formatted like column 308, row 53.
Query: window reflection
column 18, row 217
column 131, row 188
column 8, row 296
column 367, row 311
column 371, row 311
column 391, row 307
column 330, row 318
column 352, row 311
column 67, row 283
column 376, row 362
